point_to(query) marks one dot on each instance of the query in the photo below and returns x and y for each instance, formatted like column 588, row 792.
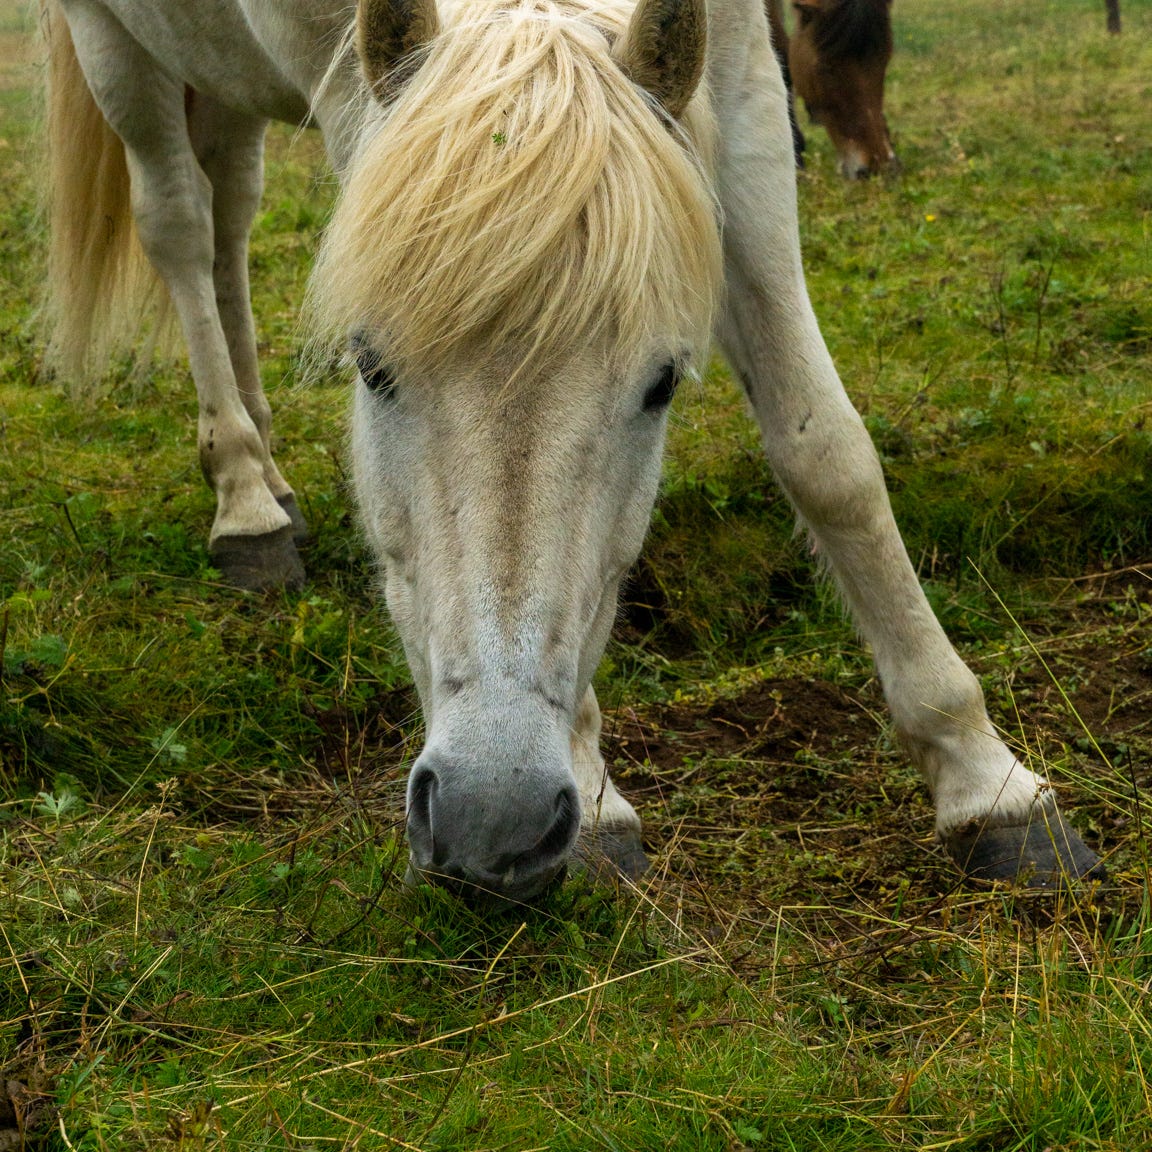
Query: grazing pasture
column 205, row 942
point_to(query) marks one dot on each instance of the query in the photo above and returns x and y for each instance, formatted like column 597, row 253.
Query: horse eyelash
column 376, row 374
column 660, row 394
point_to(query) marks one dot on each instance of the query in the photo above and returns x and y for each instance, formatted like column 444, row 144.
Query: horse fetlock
column 972, row 774
column 1040, row 851
column 245, row 505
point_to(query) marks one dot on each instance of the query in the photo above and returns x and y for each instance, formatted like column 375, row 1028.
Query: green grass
column 204, row 941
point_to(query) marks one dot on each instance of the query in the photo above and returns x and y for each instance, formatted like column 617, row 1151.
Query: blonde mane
column 520, row 191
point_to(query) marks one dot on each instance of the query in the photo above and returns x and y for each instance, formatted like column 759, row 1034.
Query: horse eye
column 375, row 373
column 660, row 394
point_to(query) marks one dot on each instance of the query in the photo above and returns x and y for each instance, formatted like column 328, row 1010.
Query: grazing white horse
column 547, row 208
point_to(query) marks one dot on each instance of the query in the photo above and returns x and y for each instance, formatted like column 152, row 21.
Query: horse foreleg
column 609, row 826
column 997, row 818
column 230, row 149
column 172, row 205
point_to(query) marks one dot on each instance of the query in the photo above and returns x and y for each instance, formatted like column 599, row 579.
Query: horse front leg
column 251, row 539
column 609, row 826
column 996, row 818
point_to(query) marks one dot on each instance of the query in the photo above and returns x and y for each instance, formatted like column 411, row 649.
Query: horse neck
column 312, row 43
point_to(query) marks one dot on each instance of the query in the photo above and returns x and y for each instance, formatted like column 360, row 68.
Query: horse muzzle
column 507, row 835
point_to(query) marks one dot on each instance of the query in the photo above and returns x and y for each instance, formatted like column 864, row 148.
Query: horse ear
column 663, row 50
column 389, row 30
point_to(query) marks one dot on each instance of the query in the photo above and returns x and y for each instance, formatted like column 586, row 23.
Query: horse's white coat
column 505, row 517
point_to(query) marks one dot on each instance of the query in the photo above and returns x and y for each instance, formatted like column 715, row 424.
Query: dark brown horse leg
column 780, row 48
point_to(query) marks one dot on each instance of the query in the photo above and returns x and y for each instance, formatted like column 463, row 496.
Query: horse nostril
column 422, row 790
column 561, row 834
column 554, row 846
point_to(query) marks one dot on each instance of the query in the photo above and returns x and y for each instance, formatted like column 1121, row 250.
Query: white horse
column 547, row 208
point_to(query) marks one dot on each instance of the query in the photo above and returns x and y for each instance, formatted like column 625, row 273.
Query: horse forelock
column 519, row 192
column 857, row 30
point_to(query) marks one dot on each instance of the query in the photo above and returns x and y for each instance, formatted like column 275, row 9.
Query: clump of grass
column 224, row 986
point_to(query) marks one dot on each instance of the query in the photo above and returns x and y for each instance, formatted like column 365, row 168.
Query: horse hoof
column 609, row 853
column 1044, row 852
column 258, row 563
column 299, row 524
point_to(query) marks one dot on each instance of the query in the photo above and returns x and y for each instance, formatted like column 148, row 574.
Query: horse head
column 528, row 255
column 838, row 57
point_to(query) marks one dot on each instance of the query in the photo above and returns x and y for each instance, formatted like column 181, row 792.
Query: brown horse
column 836, row 60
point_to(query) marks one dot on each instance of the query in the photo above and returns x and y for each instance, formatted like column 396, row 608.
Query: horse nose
column 510, row 846
column 852, row 163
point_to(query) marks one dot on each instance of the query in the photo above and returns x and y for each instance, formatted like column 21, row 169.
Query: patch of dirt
column 1089, row 705
column 771, row 721
column 788, row 786
column 1098, row 683
column 1111, row 693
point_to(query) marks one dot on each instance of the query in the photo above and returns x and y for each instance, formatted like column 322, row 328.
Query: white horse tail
column 99, row 281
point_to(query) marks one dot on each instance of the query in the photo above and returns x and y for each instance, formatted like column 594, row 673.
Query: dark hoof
column 608, row 853
column 258, row 563
column 1045, row 852
column 299, row 524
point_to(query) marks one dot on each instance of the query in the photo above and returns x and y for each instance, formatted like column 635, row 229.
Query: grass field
column 204, row 942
